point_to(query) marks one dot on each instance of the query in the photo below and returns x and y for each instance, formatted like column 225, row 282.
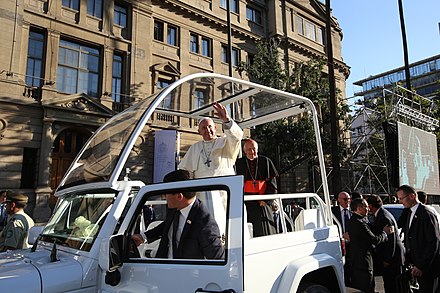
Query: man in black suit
column 422, row 240
column 389, row 255
column 189, row 231
column 343, row 214
column 362, row 240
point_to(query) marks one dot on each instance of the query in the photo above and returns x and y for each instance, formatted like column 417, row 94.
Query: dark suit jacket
column 362, row 240
column 423, row 247
column 337, row 212
column 392, row 250
column 200, row 236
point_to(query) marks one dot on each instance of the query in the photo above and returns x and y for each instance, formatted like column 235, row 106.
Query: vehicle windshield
column 78, row 219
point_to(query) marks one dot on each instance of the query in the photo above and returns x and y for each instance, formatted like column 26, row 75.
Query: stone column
column 42, row 211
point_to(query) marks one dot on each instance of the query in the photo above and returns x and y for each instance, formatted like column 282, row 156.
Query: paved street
column 379, row 286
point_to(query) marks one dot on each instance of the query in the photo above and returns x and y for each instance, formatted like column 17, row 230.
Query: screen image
column 418, row 159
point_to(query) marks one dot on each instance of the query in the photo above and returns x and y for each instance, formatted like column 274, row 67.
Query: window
column 34, row 67
column 299, row 25
column 166, row 103
column 29, row 168
column 235, row 55
column 158, row 30
column 73, row 4
column 120, row 15
column 117, row 78
column 194, row 43
column 78, row 69
column 233, row 5
column 211, row 253
column 310, row 30
column 199, row 99
column 206, row 47
column 94, row 8
column 320, row 35
column 172, row 35
column 253, row 15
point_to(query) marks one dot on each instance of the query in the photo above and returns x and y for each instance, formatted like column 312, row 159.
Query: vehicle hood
column 34, row 272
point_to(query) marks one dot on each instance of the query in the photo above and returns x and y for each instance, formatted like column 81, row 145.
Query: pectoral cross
column 255, row 184
column 208, row 162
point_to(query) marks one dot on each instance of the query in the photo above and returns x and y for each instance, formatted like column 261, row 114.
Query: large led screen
column 418, row 159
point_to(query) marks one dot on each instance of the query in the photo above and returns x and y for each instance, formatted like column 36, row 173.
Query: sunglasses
column 346, row 199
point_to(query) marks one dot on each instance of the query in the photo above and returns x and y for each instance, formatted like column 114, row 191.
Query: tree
column 293, row 137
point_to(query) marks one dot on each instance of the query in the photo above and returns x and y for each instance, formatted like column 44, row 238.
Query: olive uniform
column 15, row 233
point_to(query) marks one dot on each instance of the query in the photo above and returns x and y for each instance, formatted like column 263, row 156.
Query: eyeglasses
column 401, row 199
column 346, row 198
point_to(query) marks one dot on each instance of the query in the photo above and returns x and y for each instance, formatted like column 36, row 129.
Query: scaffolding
column 367, row 161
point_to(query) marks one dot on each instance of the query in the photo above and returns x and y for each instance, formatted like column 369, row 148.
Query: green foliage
column 292, row 139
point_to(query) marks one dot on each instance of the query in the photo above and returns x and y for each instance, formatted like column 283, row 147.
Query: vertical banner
column 164, row 153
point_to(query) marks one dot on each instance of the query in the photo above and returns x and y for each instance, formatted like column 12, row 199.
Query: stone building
column 66, row 66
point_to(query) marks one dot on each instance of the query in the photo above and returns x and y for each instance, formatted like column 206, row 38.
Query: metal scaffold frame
column 368, row 161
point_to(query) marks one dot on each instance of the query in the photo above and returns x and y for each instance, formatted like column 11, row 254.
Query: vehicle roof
column 103, row 157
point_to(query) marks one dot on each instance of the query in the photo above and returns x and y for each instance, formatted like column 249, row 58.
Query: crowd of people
column 373, row 244
column 376, row 248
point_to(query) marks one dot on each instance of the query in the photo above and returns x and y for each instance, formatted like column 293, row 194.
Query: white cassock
column 216, row 157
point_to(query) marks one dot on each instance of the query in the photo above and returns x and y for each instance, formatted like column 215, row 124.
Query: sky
column 372, row 41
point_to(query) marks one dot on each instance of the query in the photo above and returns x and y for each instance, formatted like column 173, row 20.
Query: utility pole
column 405, row 47
column 228, row 20
column 336, row 172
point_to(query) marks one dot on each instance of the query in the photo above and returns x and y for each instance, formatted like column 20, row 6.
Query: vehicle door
column 143, row 271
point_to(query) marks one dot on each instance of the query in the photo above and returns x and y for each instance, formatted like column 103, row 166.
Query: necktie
column 275, row 220
column 346, row 219
column 175, row 232
column 2, row 215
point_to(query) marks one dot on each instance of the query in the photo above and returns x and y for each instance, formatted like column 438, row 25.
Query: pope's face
column 207, row 129
column 251, row 150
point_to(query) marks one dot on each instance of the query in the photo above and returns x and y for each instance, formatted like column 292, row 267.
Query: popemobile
column 87, row 244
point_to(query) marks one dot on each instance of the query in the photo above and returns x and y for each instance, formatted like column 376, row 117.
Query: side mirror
column 33, row 234
column 111, row 250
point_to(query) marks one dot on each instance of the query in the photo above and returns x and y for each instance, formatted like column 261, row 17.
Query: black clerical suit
column 200, row 237
column 259, row 214
column 389, row 256
column 362, row 240
column 422, row 244
column 264, row 169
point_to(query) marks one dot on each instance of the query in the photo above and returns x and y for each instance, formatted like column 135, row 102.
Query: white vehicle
column 86, row 246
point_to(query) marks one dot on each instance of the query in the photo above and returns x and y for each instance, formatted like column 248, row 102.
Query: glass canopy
column 103, row 157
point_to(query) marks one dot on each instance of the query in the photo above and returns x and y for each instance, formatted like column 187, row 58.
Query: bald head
column 344, row 199
column 250, row 148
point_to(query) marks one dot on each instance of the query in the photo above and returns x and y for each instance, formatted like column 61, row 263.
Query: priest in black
column 260, row 177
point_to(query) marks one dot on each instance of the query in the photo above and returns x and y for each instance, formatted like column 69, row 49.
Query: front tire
column 312, row 288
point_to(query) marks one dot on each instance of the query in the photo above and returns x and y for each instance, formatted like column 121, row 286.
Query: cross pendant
column 255, row 184
column 208, row 162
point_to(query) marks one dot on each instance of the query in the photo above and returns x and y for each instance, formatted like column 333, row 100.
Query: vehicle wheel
column 312, row 288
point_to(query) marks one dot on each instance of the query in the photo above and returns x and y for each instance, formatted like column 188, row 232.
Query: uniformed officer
column 15, row 233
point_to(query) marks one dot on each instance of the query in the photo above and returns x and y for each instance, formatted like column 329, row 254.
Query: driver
column 189, row 231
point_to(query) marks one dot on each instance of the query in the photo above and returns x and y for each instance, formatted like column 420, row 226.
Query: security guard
column 15, row 233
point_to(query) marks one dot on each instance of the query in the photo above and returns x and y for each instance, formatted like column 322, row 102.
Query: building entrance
column 65, row 148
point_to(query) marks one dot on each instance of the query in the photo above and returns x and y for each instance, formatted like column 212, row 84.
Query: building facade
column 69, row 65
column 425, row 76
